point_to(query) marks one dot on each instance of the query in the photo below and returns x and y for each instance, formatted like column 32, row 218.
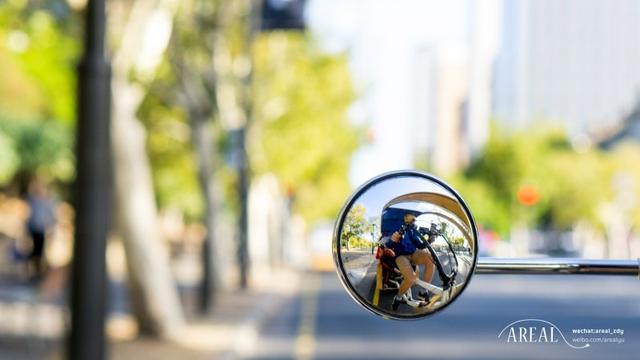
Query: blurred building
column 424, row 99
column 452, row 89
column 573, row 61
column 451, row 150
column 439, row 102
column 626, row 130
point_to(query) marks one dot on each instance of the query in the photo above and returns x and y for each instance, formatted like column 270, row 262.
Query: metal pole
column 373, row 238
column 92, row 194
column 243, row 158
column 243, row 219
column 558, row 266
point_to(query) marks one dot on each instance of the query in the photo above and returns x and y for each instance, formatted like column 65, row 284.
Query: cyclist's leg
column 422, row 257
column 408, row 276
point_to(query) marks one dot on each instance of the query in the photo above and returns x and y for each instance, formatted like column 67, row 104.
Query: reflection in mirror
column 405, row 245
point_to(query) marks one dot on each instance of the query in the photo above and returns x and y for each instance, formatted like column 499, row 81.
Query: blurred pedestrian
column 41, row 220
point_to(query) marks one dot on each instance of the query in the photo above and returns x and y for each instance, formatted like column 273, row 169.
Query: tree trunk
column 155, row 300
column 202, row 138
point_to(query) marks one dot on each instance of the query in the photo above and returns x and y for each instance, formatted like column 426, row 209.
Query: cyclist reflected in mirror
column 403, row 252
column 405, row 246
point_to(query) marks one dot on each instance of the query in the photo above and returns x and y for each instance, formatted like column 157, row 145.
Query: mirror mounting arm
column 558, row 266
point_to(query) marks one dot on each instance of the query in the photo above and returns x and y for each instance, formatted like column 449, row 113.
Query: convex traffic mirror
column 405, row 245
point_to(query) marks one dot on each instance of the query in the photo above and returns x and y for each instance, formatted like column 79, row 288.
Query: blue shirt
column 403, row 247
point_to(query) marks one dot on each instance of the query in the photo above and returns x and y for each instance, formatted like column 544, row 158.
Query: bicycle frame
column 446, row 290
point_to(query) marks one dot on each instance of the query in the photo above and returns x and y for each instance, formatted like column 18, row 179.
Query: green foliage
column 303, row 134
column 359, row 243
column 577, row 183
column 457, row 240
column 39, row 46
column 487, row 208
column 625, row 180
column 188, row 62
column 9, row 160
column 42, row 147
column 169, row 146
column 355, row 227
column 572, row 186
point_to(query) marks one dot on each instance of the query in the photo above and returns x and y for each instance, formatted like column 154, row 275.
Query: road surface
column 323, row 322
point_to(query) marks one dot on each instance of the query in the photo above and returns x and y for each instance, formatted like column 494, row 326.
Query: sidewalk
column 31, row 329
column 231, row 332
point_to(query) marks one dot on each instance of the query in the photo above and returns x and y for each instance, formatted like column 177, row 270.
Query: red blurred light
column 528, row 195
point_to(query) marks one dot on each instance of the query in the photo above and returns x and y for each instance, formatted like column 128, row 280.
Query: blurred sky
column 381, row 38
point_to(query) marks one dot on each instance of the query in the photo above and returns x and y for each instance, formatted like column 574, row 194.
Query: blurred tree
column 192, row 62
column 141, row 31
column 355, row 227
column 9, row 160
column 202, row 77
column 40, row 46
column 621, row 214
column 575, row 184
column 538, row 160
column 488, row 210
column 211, row 80
column 627, row 195
column 42, row 147
column 168, row 145
column 302, row 131
column 38, row 51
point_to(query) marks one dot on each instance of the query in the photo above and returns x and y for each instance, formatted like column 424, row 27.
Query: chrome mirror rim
column 337, row 230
